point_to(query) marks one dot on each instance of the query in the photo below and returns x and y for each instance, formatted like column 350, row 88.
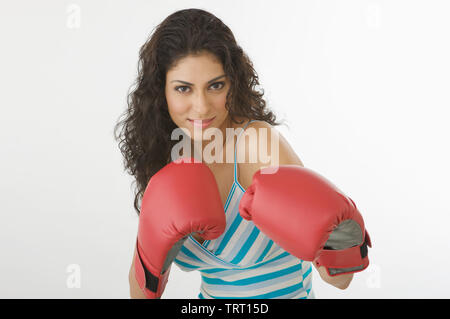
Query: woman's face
column 196, row 91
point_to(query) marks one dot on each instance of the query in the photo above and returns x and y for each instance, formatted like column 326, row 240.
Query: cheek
column 177, row 107
column 220, row 104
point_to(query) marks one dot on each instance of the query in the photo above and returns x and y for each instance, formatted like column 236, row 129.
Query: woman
column 193, row 74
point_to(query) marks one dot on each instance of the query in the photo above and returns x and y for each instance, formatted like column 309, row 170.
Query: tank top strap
column 235, row 148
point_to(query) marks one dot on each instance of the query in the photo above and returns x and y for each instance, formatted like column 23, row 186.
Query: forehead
column 196, row 67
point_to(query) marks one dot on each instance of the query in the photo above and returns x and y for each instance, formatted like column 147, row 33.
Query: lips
column 201, row 123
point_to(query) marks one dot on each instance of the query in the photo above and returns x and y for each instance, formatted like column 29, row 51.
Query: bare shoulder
column 262, row 145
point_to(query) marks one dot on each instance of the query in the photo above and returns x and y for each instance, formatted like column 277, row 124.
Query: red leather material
column 139, row 271
column 299, row 209
column 180, row 199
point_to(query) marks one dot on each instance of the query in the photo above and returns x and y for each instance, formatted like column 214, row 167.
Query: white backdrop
column 364, row 86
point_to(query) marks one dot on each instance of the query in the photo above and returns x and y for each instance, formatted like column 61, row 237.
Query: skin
column 203, row 98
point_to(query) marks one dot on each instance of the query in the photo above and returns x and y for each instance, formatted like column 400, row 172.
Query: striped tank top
column 243, row 262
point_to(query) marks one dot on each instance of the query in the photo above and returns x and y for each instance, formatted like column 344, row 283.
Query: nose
column 200, row 105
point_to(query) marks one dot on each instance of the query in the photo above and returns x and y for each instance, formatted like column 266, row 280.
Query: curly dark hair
column 145, row 131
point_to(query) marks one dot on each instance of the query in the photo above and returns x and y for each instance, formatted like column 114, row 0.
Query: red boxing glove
column 308, row 217
column 180, row 199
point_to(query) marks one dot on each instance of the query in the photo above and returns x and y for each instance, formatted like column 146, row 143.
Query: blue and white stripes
column 243, row 262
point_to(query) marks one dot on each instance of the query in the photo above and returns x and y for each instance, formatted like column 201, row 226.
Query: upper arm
column 259, row 146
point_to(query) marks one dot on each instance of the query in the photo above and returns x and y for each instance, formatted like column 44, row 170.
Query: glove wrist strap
column 343, row 261
column 151, row 285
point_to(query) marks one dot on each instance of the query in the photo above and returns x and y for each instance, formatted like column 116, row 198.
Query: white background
column 364, row 86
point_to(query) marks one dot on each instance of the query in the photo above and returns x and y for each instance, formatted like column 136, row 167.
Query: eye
column 179, row 87
column 222, row 84
column 182, row 88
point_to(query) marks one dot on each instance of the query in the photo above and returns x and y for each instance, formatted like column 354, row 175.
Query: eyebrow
column 187, row 83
